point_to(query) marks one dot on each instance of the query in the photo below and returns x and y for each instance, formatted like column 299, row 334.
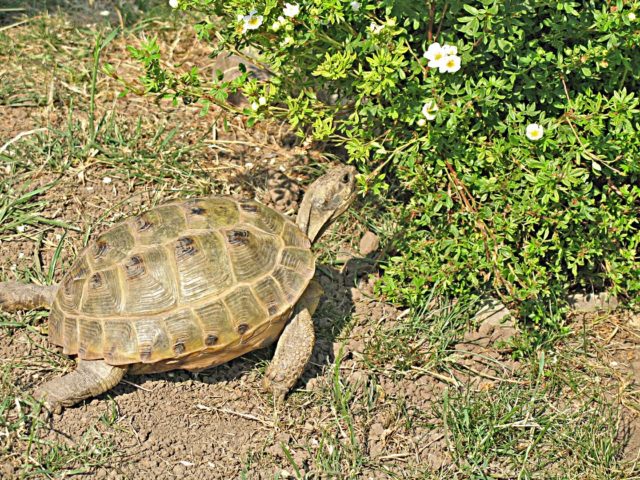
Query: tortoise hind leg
column 90, row 378
column 295, row 346
column 17, row 296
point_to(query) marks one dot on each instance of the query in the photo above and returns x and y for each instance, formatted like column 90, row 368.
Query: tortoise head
column 326, row 199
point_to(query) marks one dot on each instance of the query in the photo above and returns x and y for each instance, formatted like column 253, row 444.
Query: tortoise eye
column 346, row 178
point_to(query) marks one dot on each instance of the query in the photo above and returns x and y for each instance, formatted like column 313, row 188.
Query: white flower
column 288, row 40
column 106, row 180
column 262, row 101
column 291, row 9
column 632, row 16
column 450, row 49
column 421, row 122
column 106, row 13
column 534, row 131
column 173, row 3
column 278, row 23
column 21, row 228
column 255, row 106
column 375, row 28
column 450, row 64
column 355, row 6
column 239, row 17
column 435, row 54
column 429, row 110
column 251, row 21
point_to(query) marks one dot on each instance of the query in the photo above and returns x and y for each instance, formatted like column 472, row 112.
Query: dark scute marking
column 135, row 267
column 249, row 207
column 142, row 223
column 238, row 237
column 198, row 211
column 100, row 248
column 96, row 280
column 82, row 351
column 145, row 354
column 185, row 247
column 210, row 340
column 273, row 309
column 242, row 328
column 179, row 348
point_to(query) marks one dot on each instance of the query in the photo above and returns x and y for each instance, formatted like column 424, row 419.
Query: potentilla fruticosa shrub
column 509, row 129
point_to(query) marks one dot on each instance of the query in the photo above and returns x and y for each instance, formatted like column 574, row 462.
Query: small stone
column 369, row 243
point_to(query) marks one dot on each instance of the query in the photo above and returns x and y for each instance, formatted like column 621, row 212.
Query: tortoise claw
column 277, row 389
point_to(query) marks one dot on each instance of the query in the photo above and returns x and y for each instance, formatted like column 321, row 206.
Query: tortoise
column 189, row 285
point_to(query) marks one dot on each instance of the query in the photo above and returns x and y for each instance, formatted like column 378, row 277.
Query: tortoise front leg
column 91, row 378
column 18, row 296
column 294, row 346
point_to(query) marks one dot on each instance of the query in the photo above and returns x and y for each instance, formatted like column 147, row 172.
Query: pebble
column 369, row 243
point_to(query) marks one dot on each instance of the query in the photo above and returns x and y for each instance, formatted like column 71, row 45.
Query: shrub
column 517, row 173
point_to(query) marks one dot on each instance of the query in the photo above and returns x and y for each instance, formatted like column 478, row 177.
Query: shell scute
column 110, row 247
column 148, row 282
column 216, row 322
column 185, row 332
column 70, row 329
column 203, row 271
column 252, row 253
column 270, row 295
column 102, row 293
column 153, row 340
column 120, row 342
column 91, row 339
column 71, row 289
column 158, row 225
column 245, row 309
column 264, row 218
column 211, row 213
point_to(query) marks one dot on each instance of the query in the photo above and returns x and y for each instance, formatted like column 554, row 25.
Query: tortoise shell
column 187, row 284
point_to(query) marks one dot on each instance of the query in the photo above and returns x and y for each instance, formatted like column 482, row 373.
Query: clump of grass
column 534, row 430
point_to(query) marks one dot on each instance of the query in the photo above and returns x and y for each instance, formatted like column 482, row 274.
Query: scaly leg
column 90, row 378
column 18, row 296
column 294, row 346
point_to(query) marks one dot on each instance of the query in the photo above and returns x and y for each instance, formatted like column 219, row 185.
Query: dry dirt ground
column 380, row 399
